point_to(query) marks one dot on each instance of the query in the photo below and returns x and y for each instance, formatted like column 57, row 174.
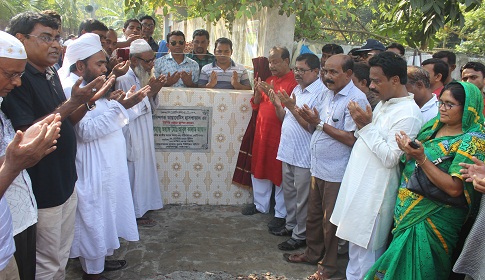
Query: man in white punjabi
column 140, row 147
column 365, row 204
column 105, row 208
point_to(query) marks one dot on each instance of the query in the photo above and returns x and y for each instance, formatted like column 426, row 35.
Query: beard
column 143, row 75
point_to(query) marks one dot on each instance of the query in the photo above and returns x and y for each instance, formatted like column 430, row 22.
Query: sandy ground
column 205, row 242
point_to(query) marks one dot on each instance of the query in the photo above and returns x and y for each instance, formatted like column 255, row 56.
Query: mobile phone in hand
column 414, row 145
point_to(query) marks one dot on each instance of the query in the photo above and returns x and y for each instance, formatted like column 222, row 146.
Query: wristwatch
column 90, row 107
column 320, row 125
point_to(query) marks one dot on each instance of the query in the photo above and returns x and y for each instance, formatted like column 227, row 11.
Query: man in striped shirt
column 224, row 72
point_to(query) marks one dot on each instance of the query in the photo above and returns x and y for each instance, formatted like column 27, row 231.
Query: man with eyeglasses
column 148, row 24
column 19, row 151
column 180, row 71
column 224, row 72
column 419, row 85
column 200, row 41
column 294, row 147
column 142, row 164
column 54, row 177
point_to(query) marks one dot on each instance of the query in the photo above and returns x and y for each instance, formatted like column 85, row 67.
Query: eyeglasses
column 448, row 106
column 148, row 25
column 12, row 76
column 301, row 71
column 146, row 60
column 174, row 43
column 46, row 38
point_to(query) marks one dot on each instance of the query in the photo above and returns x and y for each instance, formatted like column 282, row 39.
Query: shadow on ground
column 207, row 243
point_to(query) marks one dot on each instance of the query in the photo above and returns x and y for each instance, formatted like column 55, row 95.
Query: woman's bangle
column 424, row 160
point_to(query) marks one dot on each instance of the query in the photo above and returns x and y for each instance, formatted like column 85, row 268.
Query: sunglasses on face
column 174, row 43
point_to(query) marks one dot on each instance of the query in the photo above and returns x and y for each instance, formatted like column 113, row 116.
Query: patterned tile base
column 206, row 178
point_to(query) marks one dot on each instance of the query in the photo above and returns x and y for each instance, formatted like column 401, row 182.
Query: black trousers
column 25, row 252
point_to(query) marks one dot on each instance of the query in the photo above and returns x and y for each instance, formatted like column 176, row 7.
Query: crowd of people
column 354, row 132
column 340, row 140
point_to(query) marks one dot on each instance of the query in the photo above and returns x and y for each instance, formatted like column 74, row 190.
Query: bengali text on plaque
column 179, row 128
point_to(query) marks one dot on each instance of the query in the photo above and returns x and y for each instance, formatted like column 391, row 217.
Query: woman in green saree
column 426, row 231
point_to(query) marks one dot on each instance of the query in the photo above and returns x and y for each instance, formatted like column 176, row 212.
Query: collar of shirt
column 346, row 90
column 429, row 104
column 316, row 87
column 214, row 64
column 170, row 57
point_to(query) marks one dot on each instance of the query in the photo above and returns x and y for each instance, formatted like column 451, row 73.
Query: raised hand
column 104, row 89
column 212, row 80
column 27, row 148
column 186, row 78
column 310, row 115
column 172, row 79
column 115, row 94
column 472, row 171
column 132, row 98
column 113, row 61
column 289, row 102
column 121, row 68
column 360, row 117
column 156, row 84
column 82, row 95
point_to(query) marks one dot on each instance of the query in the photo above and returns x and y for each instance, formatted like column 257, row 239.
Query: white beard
column 143, row 75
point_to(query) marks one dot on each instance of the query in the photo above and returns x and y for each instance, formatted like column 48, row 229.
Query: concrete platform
column 205, row 242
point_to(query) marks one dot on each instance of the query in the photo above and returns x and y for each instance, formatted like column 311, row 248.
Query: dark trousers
column 25, row 252
column 322, row 244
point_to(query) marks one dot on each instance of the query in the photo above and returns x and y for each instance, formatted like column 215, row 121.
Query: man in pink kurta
column 265, row 168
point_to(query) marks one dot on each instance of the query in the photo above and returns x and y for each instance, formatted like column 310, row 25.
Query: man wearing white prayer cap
column 16, row 187
column 140, row 146
column 105, row 206
column 54, row 177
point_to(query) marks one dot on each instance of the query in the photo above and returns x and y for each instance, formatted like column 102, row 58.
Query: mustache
column 374, row 90
column 328, row 81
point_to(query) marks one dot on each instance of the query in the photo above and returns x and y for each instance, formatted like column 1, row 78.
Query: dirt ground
column 207, row 243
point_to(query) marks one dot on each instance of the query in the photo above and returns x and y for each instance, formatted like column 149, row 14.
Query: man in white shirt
column 419, row 85
column 140, row 146
column 294, row 148
column 365, row 204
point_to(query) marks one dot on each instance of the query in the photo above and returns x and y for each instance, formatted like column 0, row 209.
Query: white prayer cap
column 80, row 49
column 140, row 46
column 11, row 47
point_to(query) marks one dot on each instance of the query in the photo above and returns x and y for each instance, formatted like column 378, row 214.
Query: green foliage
column 418, row 21
column 472, row 32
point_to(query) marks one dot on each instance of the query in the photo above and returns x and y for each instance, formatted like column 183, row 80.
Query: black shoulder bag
column 419, row 183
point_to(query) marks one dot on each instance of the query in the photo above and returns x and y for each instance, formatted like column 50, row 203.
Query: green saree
column 426, row 232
